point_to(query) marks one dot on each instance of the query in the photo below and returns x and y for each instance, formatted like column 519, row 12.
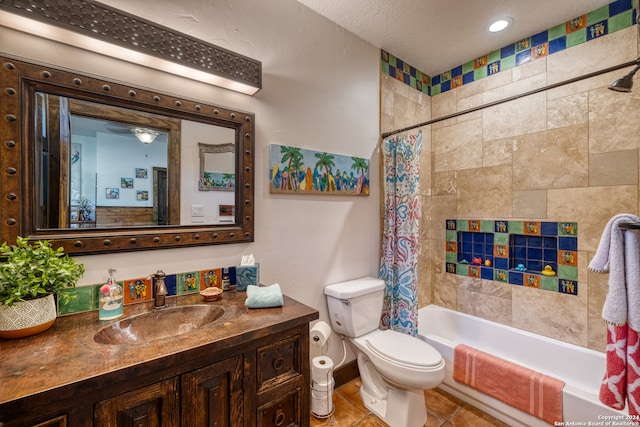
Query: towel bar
column 630, row 225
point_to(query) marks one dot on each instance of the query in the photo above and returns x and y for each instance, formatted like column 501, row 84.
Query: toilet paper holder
column 320, row 333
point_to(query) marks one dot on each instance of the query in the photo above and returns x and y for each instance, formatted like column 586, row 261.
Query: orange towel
column 530, row 391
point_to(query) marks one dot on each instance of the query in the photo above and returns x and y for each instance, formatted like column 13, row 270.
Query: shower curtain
column 399, row 263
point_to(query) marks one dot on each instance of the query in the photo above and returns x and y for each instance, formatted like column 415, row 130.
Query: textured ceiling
column 438, row 35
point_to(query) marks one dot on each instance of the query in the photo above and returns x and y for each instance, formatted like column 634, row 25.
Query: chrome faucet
column 160, row 290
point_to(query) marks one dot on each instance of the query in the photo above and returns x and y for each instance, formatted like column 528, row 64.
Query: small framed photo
column 112, row 193
column 142, row 195
column 126, row 182
column 141, row 173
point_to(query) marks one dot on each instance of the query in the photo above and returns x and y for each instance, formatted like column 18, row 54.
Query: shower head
column 624, row 84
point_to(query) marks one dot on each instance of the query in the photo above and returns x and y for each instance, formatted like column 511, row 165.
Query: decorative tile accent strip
column 85, row 298
column 608, row 19
column 536, row 254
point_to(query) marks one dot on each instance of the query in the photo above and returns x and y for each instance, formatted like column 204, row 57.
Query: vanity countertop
column 65, row 361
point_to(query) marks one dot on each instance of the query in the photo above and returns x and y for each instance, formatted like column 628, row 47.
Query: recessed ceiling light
column 499, row 25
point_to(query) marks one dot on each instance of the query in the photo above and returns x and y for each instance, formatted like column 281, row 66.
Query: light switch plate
column 197, row 210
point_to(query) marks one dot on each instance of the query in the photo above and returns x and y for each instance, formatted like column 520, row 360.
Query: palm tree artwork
column 302, row 171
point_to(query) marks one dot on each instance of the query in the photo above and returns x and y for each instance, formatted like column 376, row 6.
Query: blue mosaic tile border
column 535, row 254
column 608, row 19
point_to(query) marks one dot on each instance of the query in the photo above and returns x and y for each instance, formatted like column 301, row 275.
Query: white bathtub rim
column 579, row 403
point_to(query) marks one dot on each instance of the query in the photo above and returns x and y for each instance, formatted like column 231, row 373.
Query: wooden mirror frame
column 19, row 81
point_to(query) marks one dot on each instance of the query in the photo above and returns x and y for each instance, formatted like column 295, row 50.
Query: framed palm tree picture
column 218, row 181
column 302, row 171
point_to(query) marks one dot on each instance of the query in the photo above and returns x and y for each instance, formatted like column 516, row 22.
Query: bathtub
column 580, row 368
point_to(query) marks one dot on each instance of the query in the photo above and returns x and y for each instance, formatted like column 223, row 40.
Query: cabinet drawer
column 278, row 362
column 284, row 412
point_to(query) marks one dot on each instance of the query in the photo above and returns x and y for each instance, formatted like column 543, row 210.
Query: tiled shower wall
column 567, row 154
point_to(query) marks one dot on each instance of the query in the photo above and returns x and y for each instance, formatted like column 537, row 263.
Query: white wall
column 112, row 166
column 320, row 91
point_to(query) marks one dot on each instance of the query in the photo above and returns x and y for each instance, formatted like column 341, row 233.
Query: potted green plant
column 31, row 275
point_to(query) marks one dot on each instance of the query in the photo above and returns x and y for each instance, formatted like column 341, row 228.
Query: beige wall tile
column 529, row 69
column 490, row 307
column 601, row 81
column 598, row 287
column 469, row 102
column 552, row 314
column 498, row 152
column 458, row 146
column 386, row 123
column 426, row 272
column 519, row 117
column 482, row 85
column 613, row 168
column 591, row 208
column 614, row 49
column 444, row 183
column 445, row 296
column 439, row 210
column 386, row 103
column 567, row 111
column 597, row 337
column 531, row 204
column 395, row 86
column 443, row 104
column 406, row 113
column 556, row 158
column 487, row 287
column 517, row 87
column 612, row 124
column 484, row 193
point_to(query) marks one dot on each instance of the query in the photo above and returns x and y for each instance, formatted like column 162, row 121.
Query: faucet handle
column 157, row 275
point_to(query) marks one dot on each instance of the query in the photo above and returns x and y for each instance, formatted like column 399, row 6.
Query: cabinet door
column 152, row 406
column 212, row 396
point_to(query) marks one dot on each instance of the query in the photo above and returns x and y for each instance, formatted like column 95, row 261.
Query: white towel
column 619, row 255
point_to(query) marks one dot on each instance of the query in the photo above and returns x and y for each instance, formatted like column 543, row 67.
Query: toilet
column 395, row 368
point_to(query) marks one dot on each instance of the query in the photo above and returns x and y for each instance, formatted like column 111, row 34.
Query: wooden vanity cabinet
column 257, row 377
column 265, row 384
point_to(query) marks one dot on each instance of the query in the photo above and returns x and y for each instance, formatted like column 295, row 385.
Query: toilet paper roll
column 320, row 333
column 322, row 403
column 322, row 370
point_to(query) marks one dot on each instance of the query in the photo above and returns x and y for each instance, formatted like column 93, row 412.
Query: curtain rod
column 514, row 97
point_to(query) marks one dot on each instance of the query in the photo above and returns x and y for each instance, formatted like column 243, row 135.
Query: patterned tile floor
column 443, row 410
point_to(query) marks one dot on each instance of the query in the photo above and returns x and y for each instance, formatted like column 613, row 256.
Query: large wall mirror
column 98, row 166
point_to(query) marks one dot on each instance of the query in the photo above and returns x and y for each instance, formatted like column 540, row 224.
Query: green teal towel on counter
column 264, row 296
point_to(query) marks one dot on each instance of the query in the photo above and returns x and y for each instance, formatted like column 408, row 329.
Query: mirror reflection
column 216, row 167
column 102, row 166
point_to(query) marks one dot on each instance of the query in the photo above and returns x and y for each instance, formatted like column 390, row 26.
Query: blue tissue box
column 247, row 275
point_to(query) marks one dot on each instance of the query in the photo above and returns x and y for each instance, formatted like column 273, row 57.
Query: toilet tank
column 355, row 306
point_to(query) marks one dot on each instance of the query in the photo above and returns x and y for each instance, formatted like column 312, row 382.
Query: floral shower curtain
column 399, row 264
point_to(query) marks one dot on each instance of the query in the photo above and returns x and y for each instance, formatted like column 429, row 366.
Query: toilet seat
column 404, row 361
column 403, row 350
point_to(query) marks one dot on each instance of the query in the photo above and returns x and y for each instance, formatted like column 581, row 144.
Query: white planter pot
column 27, row 317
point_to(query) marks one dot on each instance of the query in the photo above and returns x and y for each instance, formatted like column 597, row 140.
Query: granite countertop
column 66, row 357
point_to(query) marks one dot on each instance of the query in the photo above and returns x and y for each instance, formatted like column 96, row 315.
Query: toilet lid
column 404, row 349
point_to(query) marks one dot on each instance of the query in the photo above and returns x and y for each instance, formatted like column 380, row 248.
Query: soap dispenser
column 111, row 299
